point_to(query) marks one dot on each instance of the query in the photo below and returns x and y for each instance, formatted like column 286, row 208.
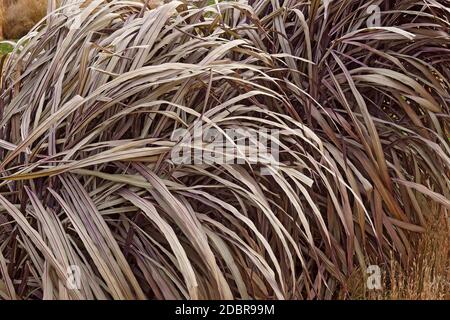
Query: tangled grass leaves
column 89, row 104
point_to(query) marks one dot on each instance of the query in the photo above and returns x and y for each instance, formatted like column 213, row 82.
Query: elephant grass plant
column 89, row 103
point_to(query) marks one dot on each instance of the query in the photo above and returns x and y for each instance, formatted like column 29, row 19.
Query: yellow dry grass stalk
column 425, row 277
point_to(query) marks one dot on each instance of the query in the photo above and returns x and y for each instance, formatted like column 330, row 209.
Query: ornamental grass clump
column 95, row 204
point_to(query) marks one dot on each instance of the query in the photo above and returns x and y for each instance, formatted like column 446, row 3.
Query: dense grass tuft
column 89, row 104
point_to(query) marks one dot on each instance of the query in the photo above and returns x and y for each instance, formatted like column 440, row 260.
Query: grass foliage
column 19, row 16
column 89, row 103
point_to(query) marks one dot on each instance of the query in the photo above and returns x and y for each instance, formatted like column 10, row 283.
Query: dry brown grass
column 19, row 16
column 425, row 277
